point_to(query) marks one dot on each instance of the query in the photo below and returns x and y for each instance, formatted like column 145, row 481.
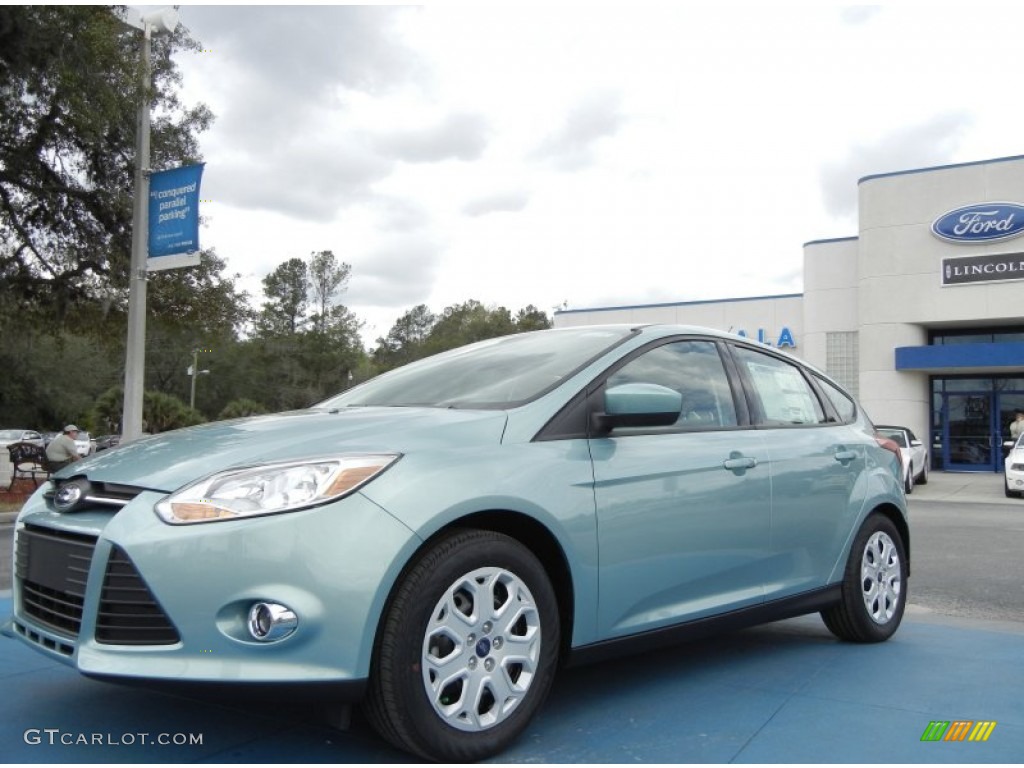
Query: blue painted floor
column 783, row 693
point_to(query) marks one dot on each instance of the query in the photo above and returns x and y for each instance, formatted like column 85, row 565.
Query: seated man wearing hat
column 62, row 449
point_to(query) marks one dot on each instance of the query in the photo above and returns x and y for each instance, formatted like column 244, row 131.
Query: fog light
column 271, row 621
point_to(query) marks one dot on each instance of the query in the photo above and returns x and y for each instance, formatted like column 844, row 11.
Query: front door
column 684, row 511
column 971, row 440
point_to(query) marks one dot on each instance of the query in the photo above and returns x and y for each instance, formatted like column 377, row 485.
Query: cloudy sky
column 578, row 154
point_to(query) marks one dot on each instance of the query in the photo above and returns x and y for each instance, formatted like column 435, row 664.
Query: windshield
column 497, row 373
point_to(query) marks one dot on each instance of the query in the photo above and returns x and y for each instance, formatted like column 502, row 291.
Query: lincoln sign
column 982, row 269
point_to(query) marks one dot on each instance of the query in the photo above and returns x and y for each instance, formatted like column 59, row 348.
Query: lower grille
column 53, row 567
column 129, row 614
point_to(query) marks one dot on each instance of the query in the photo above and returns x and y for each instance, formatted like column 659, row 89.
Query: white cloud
column 915, row 146
column 497, row 202
column 460, row 136
column 596, row 117
column 607, row 154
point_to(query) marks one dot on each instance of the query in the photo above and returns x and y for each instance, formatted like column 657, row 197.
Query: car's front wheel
column 874, row 589
column 467, row 649
column 908, row 482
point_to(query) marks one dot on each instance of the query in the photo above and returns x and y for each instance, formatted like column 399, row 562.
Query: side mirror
column 638, row 405
column 916, row 443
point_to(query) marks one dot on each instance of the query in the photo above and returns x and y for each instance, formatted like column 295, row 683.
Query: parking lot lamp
column 194, row 371
column 162, row 21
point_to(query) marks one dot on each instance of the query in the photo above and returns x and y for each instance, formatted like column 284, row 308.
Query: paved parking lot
column 787, row 692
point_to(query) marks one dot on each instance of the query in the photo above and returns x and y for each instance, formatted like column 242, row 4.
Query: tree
column 327, row 278
column 419, row 333
column 329, row 358
column 285, row 308
column 242, row 407
column 529, row 318
column 160, row 412
column 70, row 86
column 50, row 380
column 404, row 342
column 202, row 297
column 465, row 323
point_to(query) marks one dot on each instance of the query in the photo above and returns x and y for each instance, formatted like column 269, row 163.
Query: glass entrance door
column 971, row 441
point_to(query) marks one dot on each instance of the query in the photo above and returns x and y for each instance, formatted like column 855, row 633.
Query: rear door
column 817, row 465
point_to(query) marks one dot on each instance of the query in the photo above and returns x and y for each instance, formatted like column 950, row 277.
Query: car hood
column 1016, row 456
column 170, row 460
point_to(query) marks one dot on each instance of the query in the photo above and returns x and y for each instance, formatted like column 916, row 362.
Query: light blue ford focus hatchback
column 436, row 542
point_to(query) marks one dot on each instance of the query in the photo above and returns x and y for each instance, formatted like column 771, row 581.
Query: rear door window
column 782, row 395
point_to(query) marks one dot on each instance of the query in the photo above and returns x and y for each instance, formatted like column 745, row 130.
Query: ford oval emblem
column 980, row 223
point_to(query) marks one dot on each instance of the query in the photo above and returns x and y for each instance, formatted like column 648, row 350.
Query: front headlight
column 270, row 488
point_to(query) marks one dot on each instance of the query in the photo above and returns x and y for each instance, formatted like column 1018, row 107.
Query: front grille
column 129, row 614
column 53, row 567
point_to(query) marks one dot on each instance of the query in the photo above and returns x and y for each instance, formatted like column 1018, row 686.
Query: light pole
column 194, row 372
column 164, row 20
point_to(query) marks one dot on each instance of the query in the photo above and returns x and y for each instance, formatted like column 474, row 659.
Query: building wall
column 899, row 266
column 830, row 306
column 768, row 315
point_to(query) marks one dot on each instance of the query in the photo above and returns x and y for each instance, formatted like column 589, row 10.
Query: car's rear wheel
column 467, row 649
column 874, row 589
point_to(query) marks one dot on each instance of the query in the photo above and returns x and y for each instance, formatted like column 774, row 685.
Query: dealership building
column 921, row 314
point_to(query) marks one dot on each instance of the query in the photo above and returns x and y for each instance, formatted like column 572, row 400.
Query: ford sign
column 980, row 223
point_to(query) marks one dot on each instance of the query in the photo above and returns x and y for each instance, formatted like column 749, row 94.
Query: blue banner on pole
column 174, row 218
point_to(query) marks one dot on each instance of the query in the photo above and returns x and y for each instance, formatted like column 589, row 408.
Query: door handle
column 845, row 457
column 741, row 462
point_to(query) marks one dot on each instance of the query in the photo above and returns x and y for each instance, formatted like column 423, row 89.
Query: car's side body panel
column 549, row 481
column 818, row 492
column 649, row 524
column 681, row 535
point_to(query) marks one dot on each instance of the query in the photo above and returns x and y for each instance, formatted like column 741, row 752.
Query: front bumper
column 1015, row 478
column 123, row 595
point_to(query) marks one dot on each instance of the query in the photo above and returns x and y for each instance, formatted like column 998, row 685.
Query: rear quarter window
column 845, row 407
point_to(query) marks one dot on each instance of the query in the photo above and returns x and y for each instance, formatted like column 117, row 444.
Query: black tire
column 515, row 630
column 908, row 483
column 923, row 477
column 874, row 589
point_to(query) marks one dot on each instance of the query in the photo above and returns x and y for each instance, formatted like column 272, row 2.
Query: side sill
column 787, row 608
